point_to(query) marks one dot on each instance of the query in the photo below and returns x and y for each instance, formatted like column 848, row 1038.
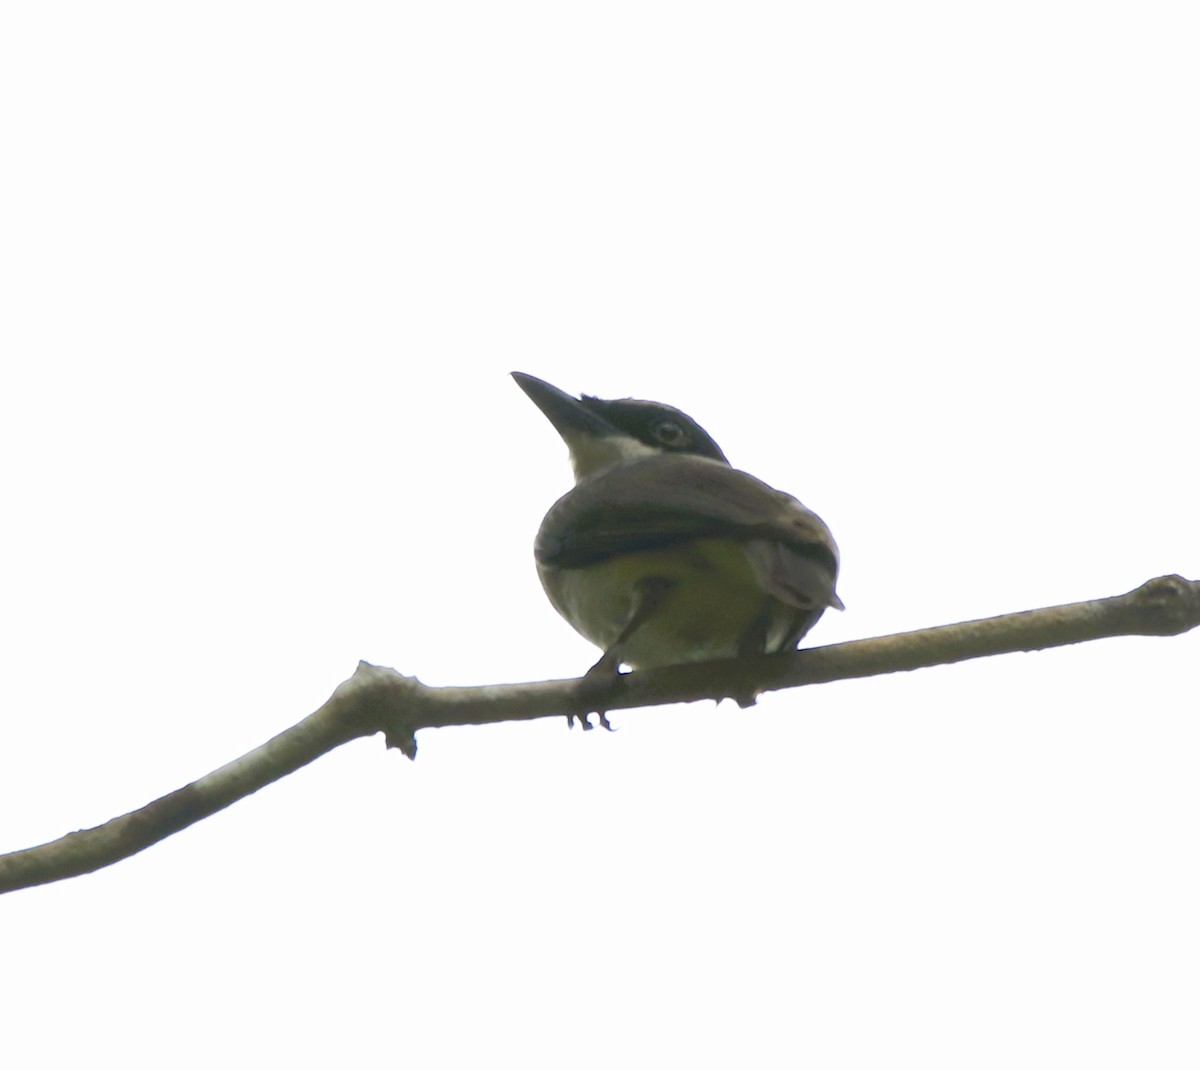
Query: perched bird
column 662, row 553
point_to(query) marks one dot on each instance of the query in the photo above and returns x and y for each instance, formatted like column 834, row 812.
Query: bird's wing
column 664, row 501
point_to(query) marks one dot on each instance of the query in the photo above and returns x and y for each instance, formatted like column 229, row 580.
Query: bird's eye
column 669, row 433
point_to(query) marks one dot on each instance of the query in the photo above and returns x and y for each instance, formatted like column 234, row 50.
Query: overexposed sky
column 265, row 268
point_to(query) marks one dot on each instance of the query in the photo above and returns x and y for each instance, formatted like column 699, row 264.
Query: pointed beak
column 570, row 417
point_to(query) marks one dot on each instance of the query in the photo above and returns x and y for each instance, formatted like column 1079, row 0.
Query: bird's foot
column 585, row 721
column 746, row 699
column 597, row 678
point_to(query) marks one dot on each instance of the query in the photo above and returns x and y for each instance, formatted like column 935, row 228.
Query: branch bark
column 377, row 699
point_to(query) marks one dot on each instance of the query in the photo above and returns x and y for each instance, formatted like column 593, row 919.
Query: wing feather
column 663, row 501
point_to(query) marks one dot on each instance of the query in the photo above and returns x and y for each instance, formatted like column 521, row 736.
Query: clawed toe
column 585, row 721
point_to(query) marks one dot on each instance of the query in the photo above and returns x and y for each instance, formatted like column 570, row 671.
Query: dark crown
column 658, row 425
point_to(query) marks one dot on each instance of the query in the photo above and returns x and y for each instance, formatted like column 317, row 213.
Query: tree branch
column 377, row 699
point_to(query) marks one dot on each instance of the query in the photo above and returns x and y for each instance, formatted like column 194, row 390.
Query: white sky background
column 931, row 267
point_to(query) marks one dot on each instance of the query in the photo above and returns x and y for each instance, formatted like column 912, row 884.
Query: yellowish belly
column 712, row 602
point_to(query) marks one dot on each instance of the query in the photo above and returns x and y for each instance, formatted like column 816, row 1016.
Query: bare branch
column 377, row 699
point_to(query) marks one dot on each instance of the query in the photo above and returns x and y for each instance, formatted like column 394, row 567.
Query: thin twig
column 377, row 699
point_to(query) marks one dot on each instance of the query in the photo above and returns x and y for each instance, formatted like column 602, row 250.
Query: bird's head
column 602, row 433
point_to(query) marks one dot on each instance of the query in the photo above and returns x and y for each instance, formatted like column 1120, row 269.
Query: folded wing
column 665, row 501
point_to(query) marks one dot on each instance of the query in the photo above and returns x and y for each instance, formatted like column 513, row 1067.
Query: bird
column 662, row 553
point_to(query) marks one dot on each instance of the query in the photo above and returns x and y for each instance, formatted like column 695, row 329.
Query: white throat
column 591, row 454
